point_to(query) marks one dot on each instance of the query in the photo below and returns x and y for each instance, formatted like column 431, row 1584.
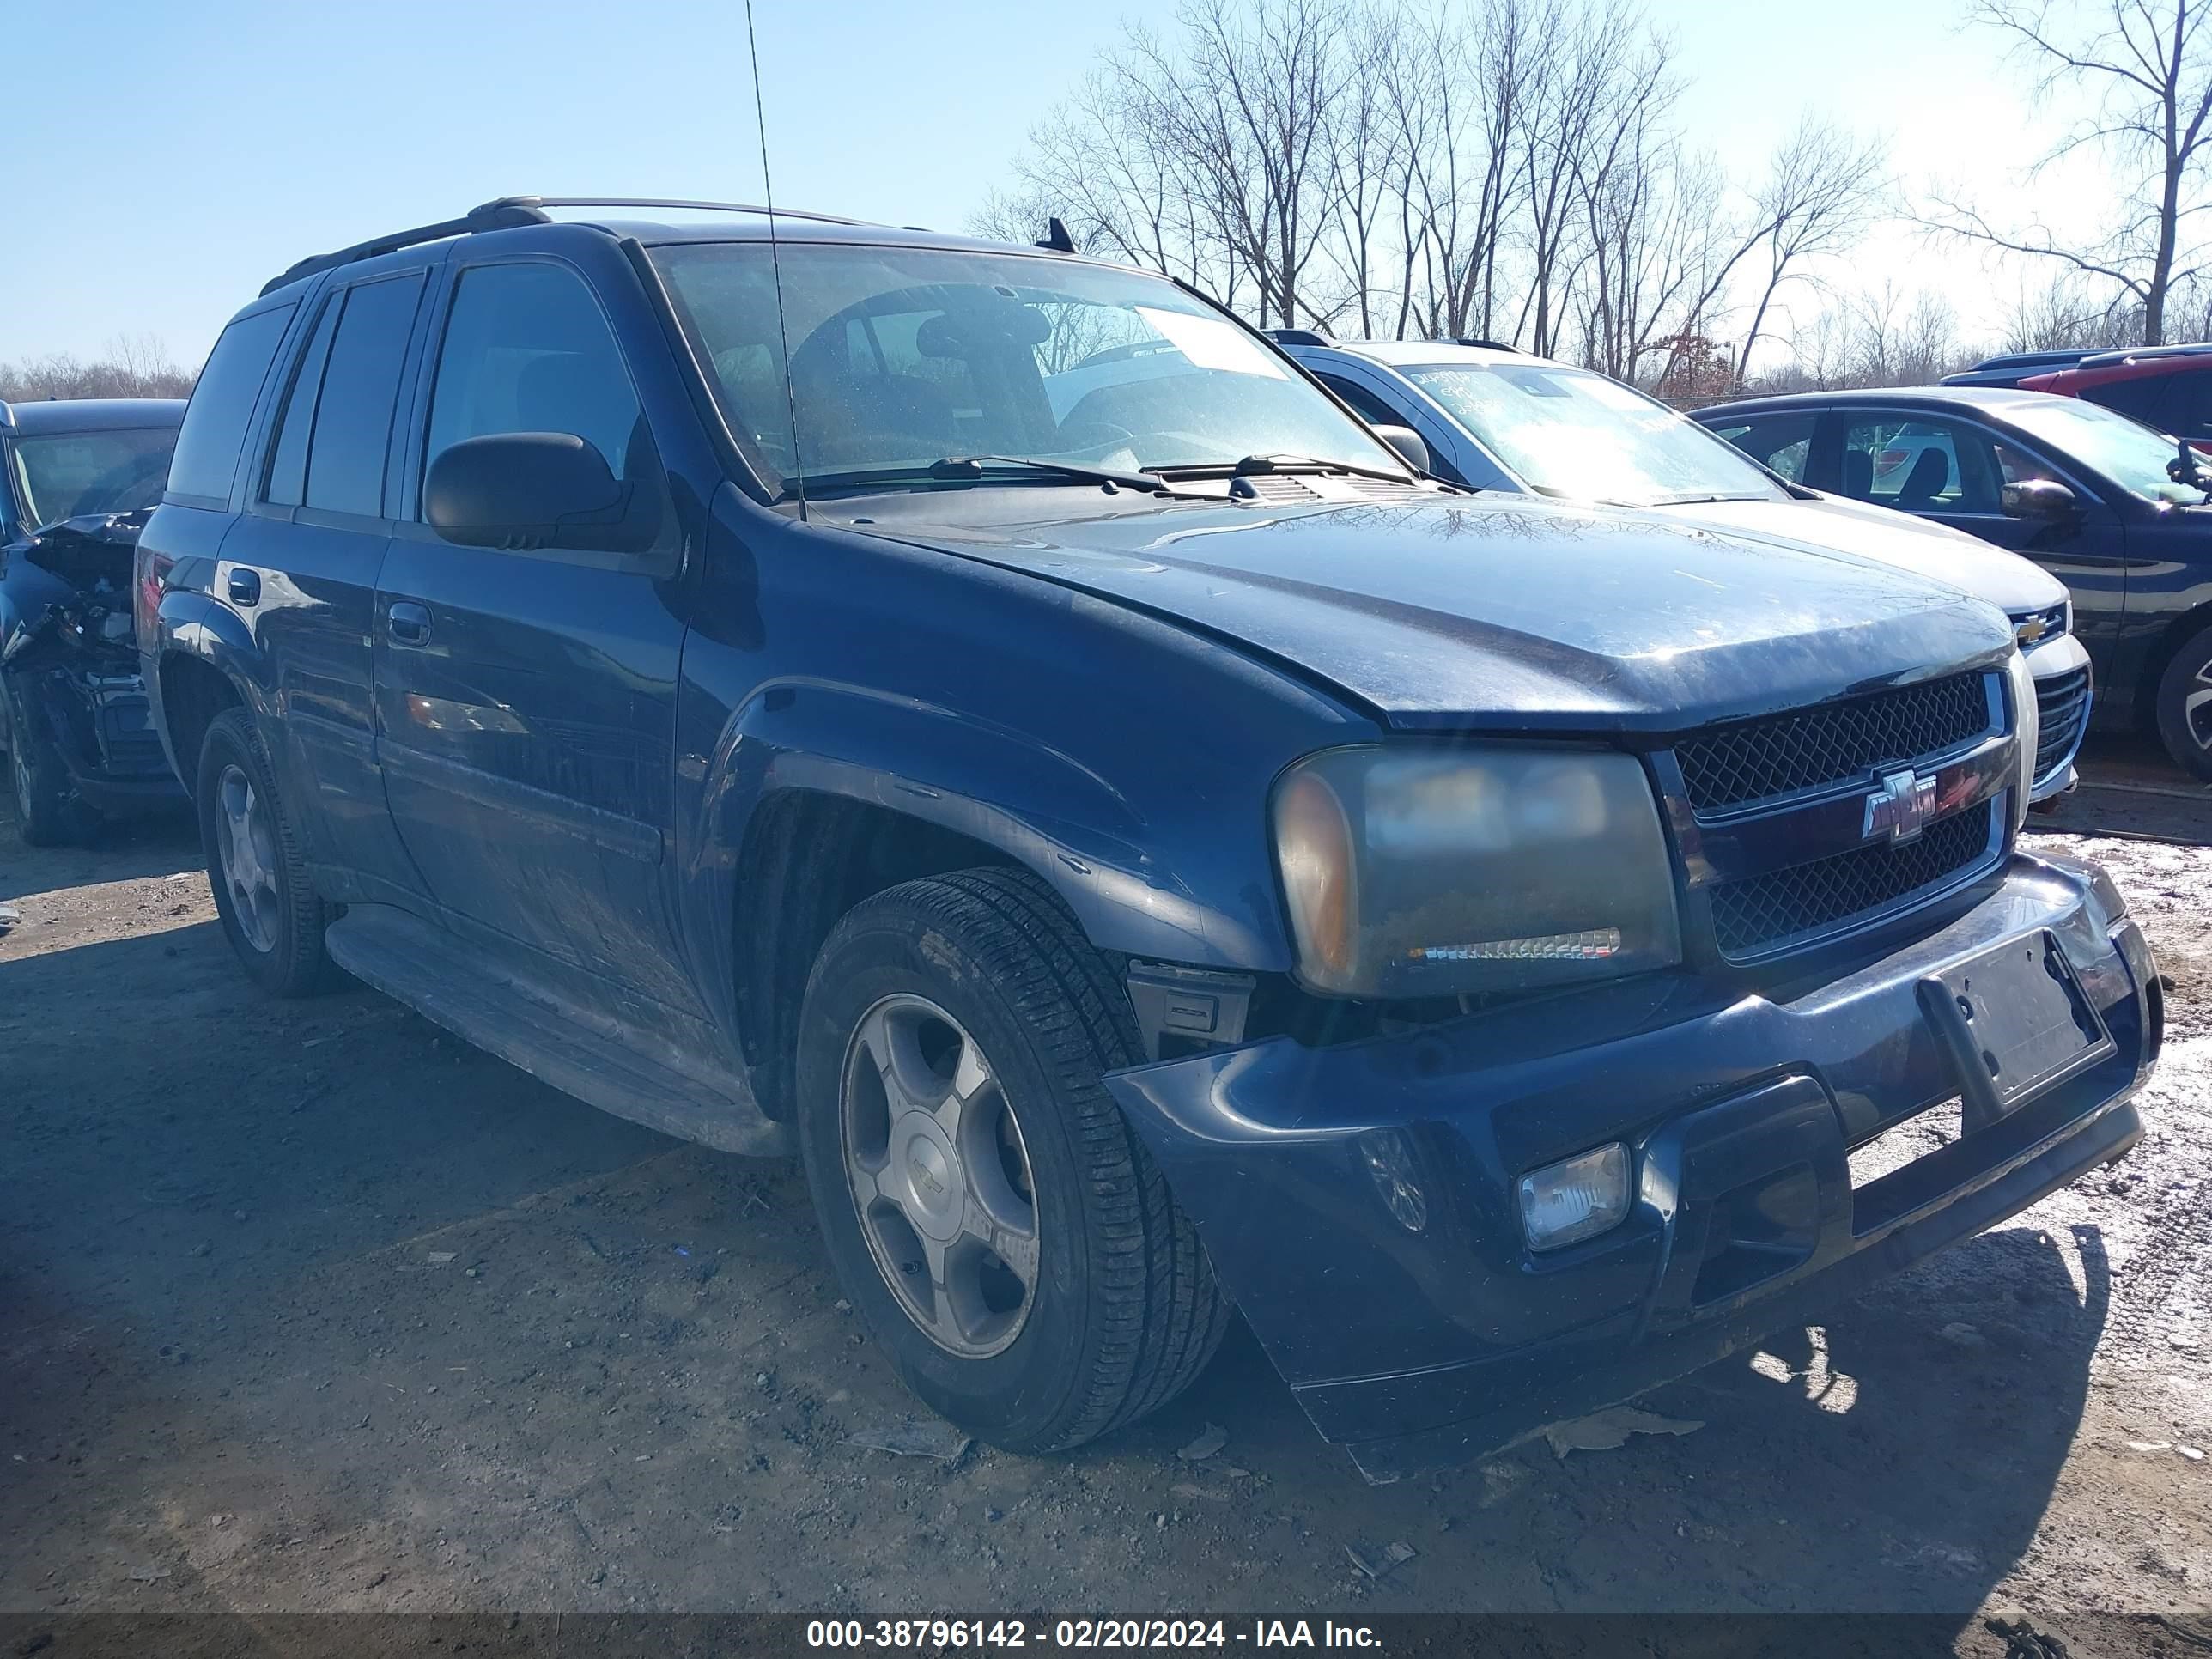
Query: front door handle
column 408, row 623
column 244, row 588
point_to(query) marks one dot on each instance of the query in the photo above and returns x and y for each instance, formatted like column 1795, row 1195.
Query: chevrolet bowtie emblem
column 1901, row 808
column 2029, row 630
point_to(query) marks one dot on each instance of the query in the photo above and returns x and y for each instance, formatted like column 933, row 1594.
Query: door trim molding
column 631, row 837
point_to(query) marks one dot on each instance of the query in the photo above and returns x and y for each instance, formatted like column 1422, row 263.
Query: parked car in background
column 1125, row 846
column 2099, row 500
column 80, row 479
column 2167, row 387
column 2011, row 366
column 1502, row 420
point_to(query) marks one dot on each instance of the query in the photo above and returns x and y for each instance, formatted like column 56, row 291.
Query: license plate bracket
column 2016, row 1022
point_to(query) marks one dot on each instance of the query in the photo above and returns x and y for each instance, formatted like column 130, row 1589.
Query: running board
column 576, row 1051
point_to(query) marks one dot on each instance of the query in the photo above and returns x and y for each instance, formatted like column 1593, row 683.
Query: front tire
column 2185, row 705
column 1004, row 1236
column 268, row 907
column 48, row 811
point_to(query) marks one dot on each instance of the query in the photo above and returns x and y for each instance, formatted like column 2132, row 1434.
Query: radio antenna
column 775, row 268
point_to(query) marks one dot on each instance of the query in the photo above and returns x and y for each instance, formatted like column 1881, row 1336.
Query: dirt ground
column 308, row 1307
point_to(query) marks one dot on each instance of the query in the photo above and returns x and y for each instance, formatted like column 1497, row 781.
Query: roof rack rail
column 509, row 211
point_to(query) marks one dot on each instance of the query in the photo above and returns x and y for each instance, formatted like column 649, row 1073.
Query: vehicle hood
column 1835, row 524
column 1491, row 612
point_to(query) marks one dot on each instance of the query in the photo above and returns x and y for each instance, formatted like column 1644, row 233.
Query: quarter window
column 222, row 402
column 1781, row 443
column 288, row 466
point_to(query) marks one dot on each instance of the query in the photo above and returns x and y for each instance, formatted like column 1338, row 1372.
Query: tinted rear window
column 353, row 420
column 287, row 469
column 215, row 424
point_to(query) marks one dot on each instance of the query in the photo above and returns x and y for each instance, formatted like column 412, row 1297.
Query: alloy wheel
column 940, row 1176
column 2197, row 708
column 246, row 846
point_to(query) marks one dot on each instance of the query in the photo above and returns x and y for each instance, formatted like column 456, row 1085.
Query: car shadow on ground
column 155, row 845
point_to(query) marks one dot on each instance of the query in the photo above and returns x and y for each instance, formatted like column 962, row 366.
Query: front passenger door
column 1953, row 472
column 526, row 700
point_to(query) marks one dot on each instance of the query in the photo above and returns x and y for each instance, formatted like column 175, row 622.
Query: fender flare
column 192, row 625
column 1041, row 807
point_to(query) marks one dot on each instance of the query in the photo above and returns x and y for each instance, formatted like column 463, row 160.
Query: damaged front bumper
column 69, row 684
column 1358, row 1203
column 95, row 716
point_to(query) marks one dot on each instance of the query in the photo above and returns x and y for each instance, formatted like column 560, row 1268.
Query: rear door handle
column 408, row 623
column 244, row 588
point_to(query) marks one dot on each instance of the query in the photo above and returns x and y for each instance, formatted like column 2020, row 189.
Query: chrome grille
column 2061, row 707
column 1764, row 912
column 1725, row 766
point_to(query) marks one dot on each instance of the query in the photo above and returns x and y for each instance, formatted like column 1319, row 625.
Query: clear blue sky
column 167, row 158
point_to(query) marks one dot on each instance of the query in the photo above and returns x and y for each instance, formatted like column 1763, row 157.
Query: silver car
column 1499, row 419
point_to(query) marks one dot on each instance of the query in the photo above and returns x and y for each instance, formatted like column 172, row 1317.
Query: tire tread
column 1160, row 1314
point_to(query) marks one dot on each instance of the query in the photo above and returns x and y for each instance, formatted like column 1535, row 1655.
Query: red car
column 2168, row 388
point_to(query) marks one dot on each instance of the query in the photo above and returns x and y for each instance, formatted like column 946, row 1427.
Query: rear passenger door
column 300, row 569
column 527, row 699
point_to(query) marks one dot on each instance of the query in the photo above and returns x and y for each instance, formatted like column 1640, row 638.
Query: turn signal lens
column 1314, row 841
column 1578, row 1198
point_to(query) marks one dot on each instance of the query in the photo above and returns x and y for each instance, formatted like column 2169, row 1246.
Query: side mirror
column 1409, row 444
column 2037, row 498
column 521, row 490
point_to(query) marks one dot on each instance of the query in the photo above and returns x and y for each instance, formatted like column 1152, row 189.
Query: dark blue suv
column 984, row 719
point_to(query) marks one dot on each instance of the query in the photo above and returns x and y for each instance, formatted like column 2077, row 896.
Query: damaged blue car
column 77, row 478
column 1147, row 847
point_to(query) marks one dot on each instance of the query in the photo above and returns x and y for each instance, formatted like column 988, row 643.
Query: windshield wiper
column 963, row 466
column 1253, row 464
column 964, row 469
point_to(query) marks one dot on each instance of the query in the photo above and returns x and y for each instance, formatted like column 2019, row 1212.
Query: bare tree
column 136, row 366
column 1823, row 187
column 1250, row 105
column 2145, row 66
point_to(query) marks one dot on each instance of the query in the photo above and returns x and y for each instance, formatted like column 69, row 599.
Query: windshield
column 1570, row 432
column 71, row 474
column 2127, row 451
column 903, row 357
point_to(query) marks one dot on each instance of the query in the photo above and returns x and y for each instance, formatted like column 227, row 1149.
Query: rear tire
column 274, row 919
column 2185, row 706
column 48, row 810
column 982, row 994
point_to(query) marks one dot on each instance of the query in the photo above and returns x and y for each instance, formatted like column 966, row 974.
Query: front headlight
column 1425, row 869
column 2027, row 727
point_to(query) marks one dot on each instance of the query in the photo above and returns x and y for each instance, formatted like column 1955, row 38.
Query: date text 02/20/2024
column 1084, row 1633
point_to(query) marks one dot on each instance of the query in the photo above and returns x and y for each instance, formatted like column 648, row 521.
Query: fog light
column 1576, row 1198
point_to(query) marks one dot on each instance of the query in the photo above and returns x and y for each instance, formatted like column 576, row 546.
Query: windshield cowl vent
column 1265, row 487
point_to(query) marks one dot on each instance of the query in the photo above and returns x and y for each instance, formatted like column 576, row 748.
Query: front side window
column 527, row 349
column 901, row 358
column 1920, row 465
column 1573, row 432
column 214, row 431
column 69, row 475
column 2127, row 451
